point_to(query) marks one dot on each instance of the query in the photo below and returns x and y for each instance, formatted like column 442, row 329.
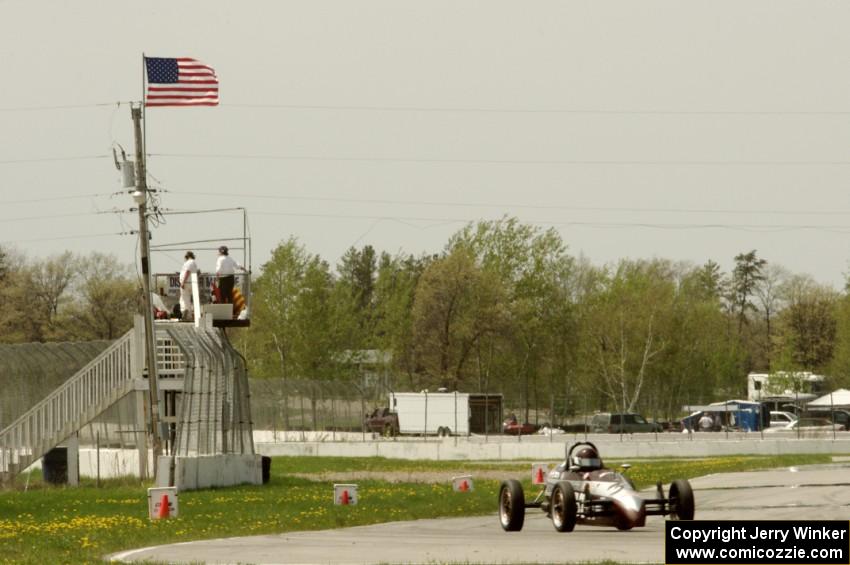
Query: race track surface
column 806, row 493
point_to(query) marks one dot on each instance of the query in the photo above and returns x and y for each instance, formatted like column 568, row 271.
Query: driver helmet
column 587, row 459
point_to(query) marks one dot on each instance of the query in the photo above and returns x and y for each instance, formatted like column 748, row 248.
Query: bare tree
column 770, row 298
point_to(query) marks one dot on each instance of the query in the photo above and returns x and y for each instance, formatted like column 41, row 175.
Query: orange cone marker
column 164, row 511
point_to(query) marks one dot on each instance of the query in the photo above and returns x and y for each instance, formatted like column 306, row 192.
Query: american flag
column 180, row 82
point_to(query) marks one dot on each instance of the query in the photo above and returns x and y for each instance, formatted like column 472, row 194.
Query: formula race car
column 582, row 491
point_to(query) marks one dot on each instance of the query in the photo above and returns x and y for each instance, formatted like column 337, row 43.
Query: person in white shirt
column 225, row 270
column 186, row 271
column 706, row 422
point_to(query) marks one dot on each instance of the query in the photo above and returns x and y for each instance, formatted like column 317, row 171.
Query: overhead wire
column 507, row 110
column 569, row 223
column 60, row 107
column 56, row 238
column 465, row 109
column 446, row 160
column 503, row 205
column 55, row 216
column 53, row 159
column 52, row 198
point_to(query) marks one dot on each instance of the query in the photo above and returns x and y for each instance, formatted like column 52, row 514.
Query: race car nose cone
column 631, row 511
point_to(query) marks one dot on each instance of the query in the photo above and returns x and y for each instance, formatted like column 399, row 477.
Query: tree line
column 504, row 307
column 65, row 297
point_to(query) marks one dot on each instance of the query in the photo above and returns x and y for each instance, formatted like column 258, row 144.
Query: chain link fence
column 306, row 410
column 302, row 409
column 31, row 371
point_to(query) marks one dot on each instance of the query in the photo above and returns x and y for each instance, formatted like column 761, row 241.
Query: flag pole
column 141, row 197
column 144, row 114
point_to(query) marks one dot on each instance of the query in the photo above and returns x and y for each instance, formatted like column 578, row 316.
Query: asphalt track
column 807, row 493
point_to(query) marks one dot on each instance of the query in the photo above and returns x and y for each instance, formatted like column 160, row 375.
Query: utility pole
column 141, row 197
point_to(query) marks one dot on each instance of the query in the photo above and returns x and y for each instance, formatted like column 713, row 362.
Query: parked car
column 622, row 423
column 808, row 425
column 779, row 419
column 511, row 426
column 841, row 417
column 382, row 421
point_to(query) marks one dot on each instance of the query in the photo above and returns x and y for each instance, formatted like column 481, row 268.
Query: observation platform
column 226, row 312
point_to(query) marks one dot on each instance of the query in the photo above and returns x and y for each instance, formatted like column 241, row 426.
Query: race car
column 581, row 490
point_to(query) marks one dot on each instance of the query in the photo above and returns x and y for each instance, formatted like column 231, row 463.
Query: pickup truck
column 382, row 421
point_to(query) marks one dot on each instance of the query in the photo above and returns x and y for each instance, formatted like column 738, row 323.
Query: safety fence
column 306, row 410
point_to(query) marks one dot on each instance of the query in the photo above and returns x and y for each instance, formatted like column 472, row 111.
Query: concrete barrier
column 207, row 471
column 463, row 449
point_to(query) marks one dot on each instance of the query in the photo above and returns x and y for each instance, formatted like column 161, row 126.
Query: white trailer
column 445, row 413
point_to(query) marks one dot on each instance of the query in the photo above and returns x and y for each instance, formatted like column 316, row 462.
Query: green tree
column 745, row 280
column 808, row 322
column 769, row 295
column 535, row 273
column 701, row 357
column 355, row 297
column 456, row 305
column 840, row 366
column 105, row 298
column 708, row 281
column 15, row 315
column 270, row 341
column 47, row 282
column 315, row 344
column 395, row 292
column 622, row 330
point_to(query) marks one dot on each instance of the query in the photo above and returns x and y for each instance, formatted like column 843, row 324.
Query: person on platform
column 225, row 270
column 186, row 271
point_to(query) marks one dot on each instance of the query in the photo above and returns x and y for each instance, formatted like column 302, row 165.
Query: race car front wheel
column 563, row 507
column 681, row 498
column 511, row 506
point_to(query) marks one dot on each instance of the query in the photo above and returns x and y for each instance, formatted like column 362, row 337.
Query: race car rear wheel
column 563, row 507
column 681, row 498
column 511, row 506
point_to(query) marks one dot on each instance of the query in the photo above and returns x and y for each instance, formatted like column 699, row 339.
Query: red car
column 512, row 427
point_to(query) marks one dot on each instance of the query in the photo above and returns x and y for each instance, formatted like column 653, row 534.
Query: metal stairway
column 93, row 389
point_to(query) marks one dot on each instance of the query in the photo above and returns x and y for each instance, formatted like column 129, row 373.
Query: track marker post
column 463, row 483
column 345, row 494
column 538, row 473
column 162, row 503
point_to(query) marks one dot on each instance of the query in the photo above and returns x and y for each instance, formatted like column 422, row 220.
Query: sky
column 688, row 131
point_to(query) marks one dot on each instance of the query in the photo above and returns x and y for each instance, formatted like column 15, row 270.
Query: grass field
column 46, row 524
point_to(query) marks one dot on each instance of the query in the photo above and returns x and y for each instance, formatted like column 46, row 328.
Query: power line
column 520, row 206
column 583, row 162
column 61, row 107
column 679, row 226
column 56, row 238
column 51, row 199
column 466, row 109
column 69, row 215
column 49, row 159
column 586, row 111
